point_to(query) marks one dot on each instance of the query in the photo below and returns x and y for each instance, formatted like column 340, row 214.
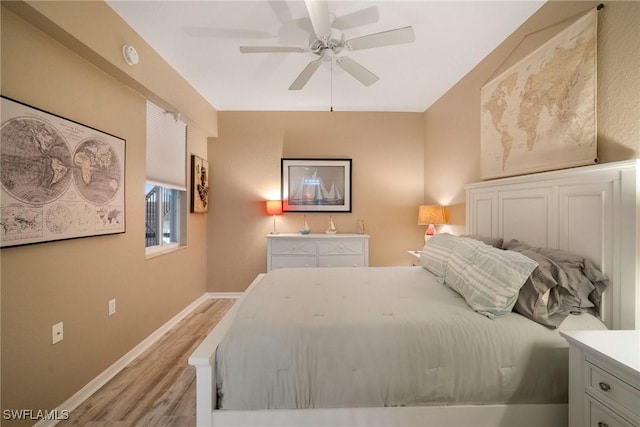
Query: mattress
column 382, row 336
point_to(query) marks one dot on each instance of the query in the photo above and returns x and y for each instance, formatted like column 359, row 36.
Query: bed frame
column 592, row 211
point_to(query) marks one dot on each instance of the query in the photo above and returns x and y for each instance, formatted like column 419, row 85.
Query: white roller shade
column 166, row 149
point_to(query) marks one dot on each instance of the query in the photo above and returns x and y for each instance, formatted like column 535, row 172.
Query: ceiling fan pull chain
column 331, row 109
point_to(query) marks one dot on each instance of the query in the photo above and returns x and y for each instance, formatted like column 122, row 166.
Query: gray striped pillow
column 437, row 251
column 489, row 279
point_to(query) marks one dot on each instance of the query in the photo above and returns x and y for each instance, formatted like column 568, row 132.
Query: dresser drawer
column 341, row 261
column 611, row 390
column 293, row 246
column 599, row 416
column 293, row 261
column 317, row 250
column 340, row 247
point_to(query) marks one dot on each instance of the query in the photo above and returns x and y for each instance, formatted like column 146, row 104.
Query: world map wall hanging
column 60, row 179
column 540, row 114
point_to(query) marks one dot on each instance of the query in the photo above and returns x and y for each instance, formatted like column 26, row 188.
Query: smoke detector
column 130, row 54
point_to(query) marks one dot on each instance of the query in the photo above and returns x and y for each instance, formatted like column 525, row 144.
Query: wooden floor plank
column 158, row 387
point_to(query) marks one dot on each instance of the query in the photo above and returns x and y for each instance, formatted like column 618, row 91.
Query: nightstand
column 415, row 257
column 604, row 378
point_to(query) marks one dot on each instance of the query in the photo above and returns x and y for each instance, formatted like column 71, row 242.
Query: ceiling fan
column 327, row 42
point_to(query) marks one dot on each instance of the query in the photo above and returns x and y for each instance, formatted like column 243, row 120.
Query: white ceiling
column 201, row 40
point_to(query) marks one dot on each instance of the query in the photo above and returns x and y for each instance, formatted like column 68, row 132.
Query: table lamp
column 431, row 215
column 274, row 207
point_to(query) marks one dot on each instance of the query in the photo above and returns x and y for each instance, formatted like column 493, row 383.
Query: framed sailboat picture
column 316, row 185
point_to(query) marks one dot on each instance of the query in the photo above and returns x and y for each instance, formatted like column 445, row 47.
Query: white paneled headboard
column 592, row 211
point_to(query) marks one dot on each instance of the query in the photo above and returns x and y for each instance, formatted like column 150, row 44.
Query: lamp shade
column 431, row 214
column 274, row 207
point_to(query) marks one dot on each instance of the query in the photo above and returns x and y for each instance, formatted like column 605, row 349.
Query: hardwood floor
column 157, row 388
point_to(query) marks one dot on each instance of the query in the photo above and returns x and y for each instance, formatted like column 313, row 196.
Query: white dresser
column 604, row 378
column 317, row 250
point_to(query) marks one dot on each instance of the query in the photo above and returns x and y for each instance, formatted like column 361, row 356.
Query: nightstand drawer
column 599, row 416
column 293, row 247
column 339, row 247
column 611, row 390
column 293, row 261
column 341, row 261
column 604, row 378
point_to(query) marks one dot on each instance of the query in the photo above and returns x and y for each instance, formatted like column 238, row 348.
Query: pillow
column 580, row 284
column 489, row 279
column 586, row 282
column 436, row 253
column 496, row 242
column 539, row 298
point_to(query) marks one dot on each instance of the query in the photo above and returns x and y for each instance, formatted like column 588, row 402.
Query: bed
column 285, row 354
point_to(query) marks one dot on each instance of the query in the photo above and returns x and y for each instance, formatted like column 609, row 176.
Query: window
column 165, row 189
column 162, row 216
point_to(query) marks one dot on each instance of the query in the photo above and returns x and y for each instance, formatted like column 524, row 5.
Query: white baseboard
column 94, row 385
column 223, row 295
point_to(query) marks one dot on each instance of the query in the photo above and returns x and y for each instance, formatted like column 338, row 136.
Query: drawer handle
column 604, row 387
column 601, row 424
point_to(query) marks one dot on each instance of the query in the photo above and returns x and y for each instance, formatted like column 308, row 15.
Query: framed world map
column 60, row 179
column 540, row 114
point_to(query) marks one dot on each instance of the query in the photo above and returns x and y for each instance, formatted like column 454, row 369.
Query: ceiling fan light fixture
column 333, row 43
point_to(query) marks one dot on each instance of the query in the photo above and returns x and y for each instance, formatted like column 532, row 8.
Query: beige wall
column 72, row 281
column 452, row 124
column 386, row 150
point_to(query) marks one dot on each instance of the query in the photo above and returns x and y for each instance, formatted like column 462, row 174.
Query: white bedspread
column 385, row 336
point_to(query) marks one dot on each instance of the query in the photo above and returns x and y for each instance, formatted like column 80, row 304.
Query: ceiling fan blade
column 358, row 18
column 305, row 75
column 385, row 38
column 271, row 49
column 227, row 33
column 281, row 11
column 319, row 15
column 360, row 73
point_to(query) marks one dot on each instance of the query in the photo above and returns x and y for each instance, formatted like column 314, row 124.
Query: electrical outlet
column 112, row 307
column 57, row 333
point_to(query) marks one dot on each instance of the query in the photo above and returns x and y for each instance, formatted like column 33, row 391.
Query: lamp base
column 431, row 231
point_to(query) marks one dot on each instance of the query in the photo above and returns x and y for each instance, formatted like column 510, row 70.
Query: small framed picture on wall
column 199, row 184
